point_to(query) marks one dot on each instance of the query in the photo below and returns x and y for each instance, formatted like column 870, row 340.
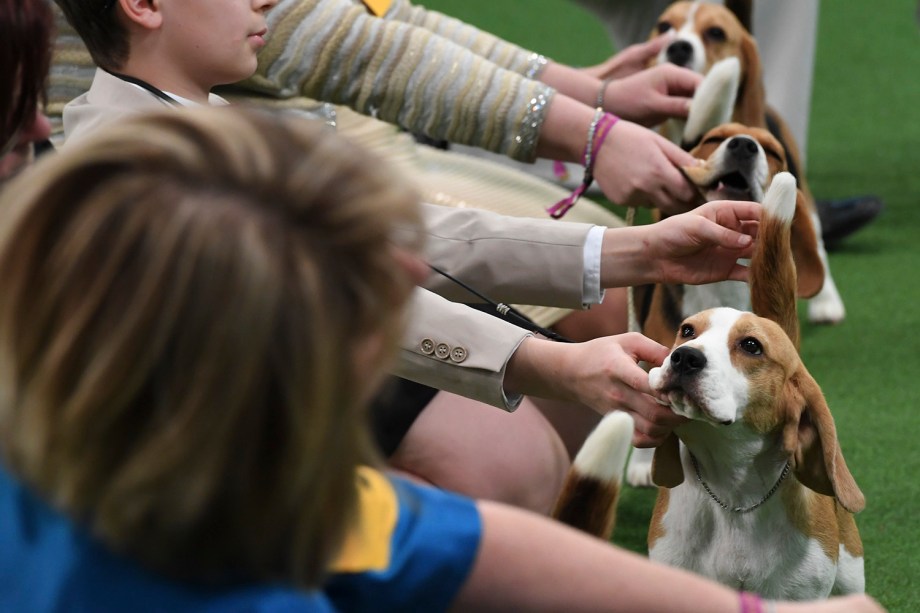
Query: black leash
column 506, row 312
column 159, row 93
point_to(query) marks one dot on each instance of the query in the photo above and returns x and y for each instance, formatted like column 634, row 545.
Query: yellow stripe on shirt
column 367, row 544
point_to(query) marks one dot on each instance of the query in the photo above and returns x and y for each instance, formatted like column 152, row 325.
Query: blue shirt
column 48, row 564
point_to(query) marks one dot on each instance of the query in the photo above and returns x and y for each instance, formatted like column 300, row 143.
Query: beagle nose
column 742, row 148
column 679, row 52
column 687, row 361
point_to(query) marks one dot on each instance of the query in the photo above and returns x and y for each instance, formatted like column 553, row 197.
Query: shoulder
column 108, row 99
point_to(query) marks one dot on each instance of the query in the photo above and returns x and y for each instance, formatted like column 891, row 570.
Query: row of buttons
column 443, row 351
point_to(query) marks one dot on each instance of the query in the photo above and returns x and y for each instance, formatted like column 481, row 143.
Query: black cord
column 505, row 311
column 159, row 93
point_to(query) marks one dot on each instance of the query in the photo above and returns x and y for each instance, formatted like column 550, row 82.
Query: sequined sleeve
column 334, row 50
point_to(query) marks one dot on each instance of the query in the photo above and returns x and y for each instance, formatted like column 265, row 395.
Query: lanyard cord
column 159, row 93
column 507, row 312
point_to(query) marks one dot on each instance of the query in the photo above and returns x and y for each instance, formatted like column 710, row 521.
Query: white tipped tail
column 714, row 100
column 589, row 497
column 779, row 201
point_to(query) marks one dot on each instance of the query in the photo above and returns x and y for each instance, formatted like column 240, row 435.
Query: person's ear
column 145, row 13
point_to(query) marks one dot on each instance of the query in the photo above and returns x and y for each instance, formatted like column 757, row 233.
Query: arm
column 530, row 563
column 486, row 344
column 509, row 259
column 335, row 51
column 647, row 98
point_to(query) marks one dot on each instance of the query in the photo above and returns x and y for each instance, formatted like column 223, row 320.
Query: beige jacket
column 447, row 345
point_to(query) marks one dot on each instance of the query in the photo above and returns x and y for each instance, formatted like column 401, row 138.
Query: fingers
column 653, row 423
column 643, row 349
column 726, row 211
column 681, row 81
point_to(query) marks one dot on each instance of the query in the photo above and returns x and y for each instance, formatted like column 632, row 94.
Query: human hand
column 651, row 96
column 637, row 167
column 704, row 245
column 603, row 374
column 630, row 60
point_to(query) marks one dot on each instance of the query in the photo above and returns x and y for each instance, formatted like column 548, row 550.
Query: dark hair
column 97, row 23
column 26, row 28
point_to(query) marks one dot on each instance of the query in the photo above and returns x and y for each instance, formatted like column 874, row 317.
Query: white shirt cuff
column 591, row 292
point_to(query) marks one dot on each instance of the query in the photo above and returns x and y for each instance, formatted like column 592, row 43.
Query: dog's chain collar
column 719, row 502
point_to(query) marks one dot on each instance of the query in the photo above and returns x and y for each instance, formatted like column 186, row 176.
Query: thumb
column 643, row 349
column 647, row 50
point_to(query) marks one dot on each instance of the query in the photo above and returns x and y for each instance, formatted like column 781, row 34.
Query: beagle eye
column 752, row 346
column 663, row 26
column 687, row 331
column 715, row 34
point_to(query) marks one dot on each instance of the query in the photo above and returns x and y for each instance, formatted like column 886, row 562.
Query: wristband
column 597, row 133
column 752, row 603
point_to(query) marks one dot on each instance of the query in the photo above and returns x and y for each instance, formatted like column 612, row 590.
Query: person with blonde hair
column 193, row 313
column 193, row 321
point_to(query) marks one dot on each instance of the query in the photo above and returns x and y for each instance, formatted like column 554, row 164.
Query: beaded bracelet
column 597, row 133
column 602, row 92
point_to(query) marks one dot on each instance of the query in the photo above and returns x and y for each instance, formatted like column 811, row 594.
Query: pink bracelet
column 597, row 133
column 752, row 603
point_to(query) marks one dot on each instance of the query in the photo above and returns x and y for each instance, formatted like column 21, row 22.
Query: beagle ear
column 751, row 108
column 810, row 438
column 808, row 265
column 667, row 470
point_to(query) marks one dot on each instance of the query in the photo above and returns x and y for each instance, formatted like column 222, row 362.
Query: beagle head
column 703, row 34
column 740, row 163
column 729, row 367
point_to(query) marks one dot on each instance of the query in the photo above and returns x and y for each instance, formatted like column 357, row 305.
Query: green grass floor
column 864, row 138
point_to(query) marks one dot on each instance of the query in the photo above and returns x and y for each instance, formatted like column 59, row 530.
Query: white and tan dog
column 755, row 493
column 704, row 36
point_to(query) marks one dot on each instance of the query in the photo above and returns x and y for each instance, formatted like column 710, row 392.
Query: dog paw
column 639, row 470
column 826, row 309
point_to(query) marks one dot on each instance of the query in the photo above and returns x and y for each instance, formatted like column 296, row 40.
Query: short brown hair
column 98, row 24
column 183, row 297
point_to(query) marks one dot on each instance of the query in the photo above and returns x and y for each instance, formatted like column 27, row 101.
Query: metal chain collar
column 719, row 502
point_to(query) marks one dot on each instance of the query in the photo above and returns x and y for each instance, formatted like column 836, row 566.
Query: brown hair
column 183, row 297
column 26, row 29
column 98, row 24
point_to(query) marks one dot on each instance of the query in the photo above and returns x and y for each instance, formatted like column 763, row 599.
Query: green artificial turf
column 864, row 138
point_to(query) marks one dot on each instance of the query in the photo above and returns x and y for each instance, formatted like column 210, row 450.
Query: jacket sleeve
column 452, row 347
column 509, row 259
column 335, row 51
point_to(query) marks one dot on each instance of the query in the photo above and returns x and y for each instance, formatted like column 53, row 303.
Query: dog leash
column 505, row 311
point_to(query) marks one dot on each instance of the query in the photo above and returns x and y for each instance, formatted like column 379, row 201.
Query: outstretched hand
column 704, row 245
column 638, row 167
column 651, row 96
column 603, row 374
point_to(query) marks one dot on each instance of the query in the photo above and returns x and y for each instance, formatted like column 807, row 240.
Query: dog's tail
column 772, row 268
column 589, row 497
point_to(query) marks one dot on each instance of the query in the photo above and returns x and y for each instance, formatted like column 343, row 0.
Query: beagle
column 704, row 35
column 755, row 493
column 738, row 163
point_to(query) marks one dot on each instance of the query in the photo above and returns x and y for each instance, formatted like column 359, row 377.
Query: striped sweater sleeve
column 335, row 51
column 494, row 49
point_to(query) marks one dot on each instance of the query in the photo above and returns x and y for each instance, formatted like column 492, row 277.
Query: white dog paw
column 826, row 308
column 639, row 470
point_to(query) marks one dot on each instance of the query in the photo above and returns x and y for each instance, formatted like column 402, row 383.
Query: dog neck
column 739, row 465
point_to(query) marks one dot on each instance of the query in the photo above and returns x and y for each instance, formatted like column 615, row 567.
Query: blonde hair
column 183, row 296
